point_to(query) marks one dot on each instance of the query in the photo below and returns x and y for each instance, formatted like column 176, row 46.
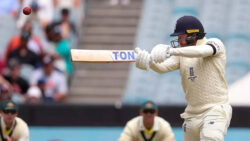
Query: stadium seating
column 105, row 27
column 7, row 30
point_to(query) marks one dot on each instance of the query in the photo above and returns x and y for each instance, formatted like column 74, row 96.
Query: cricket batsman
column 202, row 64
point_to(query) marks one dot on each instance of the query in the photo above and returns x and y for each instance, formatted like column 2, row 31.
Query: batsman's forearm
column 193, row 51
column 171, row 64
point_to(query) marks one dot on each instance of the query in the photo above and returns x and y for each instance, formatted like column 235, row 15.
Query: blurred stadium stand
column 7, row 29
column 105, row 27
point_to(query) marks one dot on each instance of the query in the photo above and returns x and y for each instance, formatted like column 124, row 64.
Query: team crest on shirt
column 191, row 74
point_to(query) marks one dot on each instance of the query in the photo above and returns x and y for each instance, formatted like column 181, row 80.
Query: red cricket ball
column 26, row 10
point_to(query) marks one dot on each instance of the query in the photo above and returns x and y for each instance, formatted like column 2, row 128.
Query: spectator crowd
column 35, row 65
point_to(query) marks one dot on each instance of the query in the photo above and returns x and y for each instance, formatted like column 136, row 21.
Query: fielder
column 148, row 126
column 12, row 128
column 202, row 67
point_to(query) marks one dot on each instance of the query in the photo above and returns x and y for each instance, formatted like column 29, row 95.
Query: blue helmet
column 187, row 25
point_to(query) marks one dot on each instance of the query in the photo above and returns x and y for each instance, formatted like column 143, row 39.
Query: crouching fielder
column 148, row 126
column 12, row 128
column 202, row 67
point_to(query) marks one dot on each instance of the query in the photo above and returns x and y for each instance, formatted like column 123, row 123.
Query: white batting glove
column 142, row 59
column 160, row 53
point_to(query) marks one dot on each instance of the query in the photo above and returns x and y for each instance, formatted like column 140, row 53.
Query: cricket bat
column 102, row 56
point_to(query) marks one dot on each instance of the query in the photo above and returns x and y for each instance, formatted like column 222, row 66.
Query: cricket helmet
column 187, row 25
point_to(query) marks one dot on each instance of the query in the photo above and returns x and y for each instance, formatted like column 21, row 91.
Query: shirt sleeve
column 217, row 45
column 169, row 134
column 170, row 64
column 25, row 135
column 126, row 135
column 213, row 47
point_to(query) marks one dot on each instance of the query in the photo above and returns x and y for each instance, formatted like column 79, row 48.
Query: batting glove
column 160, row 53
column 142, row 59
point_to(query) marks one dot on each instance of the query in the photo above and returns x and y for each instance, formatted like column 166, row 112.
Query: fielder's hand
column 142, row 59
column 8, row 138
column 160, row 53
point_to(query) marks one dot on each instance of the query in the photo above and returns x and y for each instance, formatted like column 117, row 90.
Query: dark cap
column 149, row 105
column 9, row 105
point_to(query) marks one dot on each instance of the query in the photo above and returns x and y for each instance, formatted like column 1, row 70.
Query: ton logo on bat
column 124, row 55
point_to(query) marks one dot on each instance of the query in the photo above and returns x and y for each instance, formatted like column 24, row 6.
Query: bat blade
column 102, row 56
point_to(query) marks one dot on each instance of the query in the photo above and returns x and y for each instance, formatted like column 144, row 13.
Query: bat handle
column 137, row 50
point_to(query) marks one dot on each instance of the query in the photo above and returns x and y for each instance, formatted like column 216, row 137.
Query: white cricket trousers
column 210, row 126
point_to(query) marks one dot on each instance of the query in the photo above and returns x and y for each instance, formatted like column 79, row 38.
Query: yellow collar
column 149, row 131
column 6, row 131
